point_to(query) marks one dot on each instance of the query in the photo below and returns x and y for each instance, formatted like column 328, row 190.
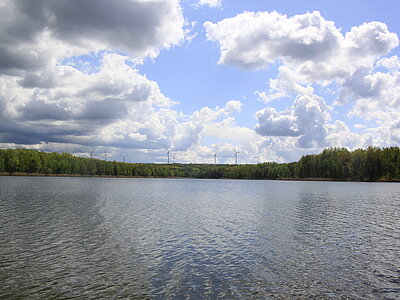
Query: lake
column 198, row 239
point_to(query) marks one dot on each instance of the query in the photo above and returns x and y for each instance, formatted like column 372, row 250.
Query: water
column 198, row 239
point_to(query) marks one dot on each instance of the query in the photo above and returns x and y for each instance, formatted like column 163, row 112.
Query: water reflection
column 163, row 238
column 334, row 231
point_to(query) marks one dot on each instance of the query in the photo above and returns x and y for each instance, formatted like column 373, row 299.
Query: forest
column 370, row 164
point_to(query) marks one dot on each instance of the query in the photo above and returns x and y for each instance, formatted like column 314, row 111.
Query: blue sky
column 275, row 79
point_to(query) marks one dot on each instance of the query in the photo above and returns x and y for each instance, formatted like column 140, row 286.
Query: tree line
column 370, row 164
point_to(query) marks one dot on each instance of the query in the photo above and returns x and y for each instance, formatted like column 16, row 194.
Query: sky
column 273, row 80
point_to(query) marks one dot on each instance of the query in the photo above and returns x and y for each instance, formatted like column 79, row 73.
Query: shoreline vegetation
column 334, row 164
column 23, row 174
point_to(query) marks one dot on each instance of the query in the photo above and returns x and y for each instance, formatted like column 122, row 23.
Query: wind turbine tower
column 91, row 154
column 123, row 157
column 236, row 155
column 173, row 158
column 215, row 158
column 105, row 155
column 167, row 154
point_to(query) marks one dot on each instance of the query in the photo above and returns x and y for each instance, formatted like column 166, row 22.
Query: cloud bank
column 70, row 81
column 312, row 55
column 48, row 95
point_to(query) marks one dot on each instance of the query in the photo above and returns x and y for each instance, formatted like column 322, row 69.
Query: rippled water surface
column 188, row 239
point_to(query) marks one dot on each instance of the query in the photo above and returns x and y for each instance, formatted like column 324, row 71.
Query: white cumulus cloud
column 311, row 54
column 306, row 118
column 210, row 3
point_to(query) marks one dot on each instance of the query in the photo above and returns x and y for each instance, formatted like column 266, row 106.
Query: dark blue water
column 198, row 239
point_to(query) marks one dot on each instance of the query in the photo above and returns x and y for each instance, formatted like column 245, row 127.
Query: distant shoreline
column 332, row 164
column 171, row 177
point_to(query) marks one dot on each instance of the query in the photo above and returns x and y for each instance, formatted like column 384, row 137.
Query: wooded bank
column 370, row 164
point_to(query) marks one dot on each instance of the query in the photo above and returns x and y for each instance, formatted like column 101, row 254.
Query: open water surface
column 198, row 239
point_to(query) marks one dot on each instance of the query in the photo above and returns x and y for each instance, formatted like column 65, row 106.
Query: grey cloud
column 103, row 88
column 131, row 144
column 39, row 110
column 42, row 80
column 311, row 113
column 103, row 112
column 34, row 132
column 316, row 50
column 135, row 92
column 78, row 110
column 57, row 103
column 139, row 28
column 131, row 26
column 39, row 121
column 13, row 60
column 18, row 138
column 191, row 137
column 314, row 137
column 140, row 93
column 273, row 123
column 106, row 110
column 359, row 86
column 21, row 21
column 305, row 119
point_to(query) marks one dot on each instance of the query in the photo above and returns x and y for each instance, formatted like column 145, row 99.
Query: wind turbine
column 91, row 154
column 173, row 158
column 215, row 158
column 236, row 155
column 105, row 155
column 167, row 154
column 123, row 157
